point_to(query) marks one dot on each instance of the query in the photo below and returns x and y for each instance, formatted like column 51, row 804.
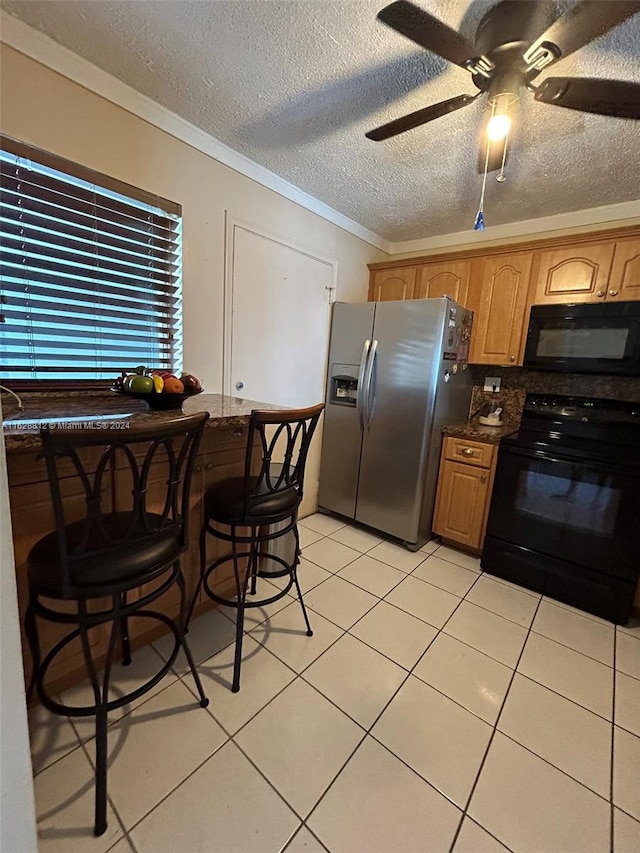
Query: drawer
column 473, row 452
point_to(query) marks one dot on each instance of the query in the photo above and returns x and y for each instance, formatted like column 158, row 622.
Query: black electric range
column 565, row 511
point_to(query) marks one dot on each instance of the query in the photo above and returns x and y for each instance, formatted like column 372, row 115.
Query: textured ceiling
column 294, row 85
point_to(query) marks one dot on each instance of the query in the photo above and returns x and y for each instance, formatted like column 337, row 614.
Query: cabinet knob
column 512, row 358
column 237, row 432
column 208, row 466
column 600, row 293
column 467, row 451
column 483, row 479
column 613, row 293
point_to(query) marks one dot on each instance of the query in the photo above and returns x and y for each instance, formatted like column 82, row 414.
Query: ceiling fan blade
column 581, row 24
column 408, row 122
column 619, row 98
column 429, row 32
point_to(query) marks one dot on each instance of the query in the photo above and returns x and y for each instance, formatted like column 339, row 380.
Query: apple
column 141, row 384
column 192, row 384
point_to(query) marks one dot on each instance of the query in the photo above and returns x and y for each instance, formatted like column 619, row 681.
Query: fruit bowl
column 158, row 401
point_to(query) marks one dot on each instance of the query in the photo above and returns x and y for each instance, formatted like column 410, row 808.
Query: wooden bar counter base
column 221, row 455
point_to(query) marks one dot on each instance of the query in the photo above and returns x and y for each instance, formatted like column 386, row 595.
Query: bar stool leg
column 204, row 701
column 294, row 573
column 241, row 593
column 31, row 631
column 101, row 699
column 124, row 634
column 203, row 560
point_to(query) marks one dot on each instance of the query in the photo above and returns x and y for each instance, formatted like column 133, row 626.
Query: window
column 90, row 272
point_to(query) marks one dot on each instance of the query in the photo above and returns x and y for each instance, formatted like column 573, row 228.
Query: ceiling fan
column 508, row 55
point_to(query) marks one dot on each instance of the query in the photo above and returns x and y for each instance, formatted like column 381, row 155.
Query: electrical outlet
column 491, row 383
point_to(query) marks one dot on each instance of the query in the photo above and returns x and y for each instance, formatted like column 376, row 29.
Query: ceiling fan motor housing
column 509, row 27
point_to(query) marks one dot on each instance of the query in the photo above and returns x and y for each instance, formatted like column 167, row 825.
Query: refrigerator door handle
column 361, row 398
column 370, row 395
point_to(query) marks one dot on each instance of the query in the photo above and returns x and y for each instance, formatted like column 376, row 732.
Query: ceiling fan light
column 498, row 127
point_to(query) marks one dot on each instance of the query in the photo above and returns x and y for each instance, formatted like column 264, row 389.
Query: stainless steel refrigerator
column 397, row 373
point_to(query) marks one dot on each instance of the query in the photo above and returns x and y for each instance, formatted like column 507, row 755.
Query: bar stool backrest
column 283, row 437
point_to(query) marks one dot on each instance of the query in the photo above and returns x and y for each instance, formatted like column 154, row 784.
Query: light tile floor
column 435, row 709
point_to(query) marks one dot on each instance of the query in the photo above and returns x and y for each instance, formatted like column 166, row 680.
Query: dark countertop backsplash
column 517, row 382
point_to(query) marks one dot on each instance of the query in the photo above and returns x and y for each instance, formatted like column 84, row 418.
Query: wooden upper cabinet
column 500, row 308
column 575, row 274
column 624, row 281
column 444, row 279
column 398, row 283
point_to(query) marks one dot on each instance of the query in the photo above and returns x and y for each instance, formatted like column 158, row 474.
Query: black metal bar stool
column 253, row 511
column 99, row 561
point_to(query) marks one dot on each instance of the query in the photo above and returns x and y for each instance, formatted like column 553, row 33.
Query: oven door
column 583, row 511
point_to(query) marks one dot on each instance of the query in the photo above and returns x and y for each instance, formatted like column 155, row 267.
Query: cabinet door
column 445, row 279
column 498, row 325
column 461, row 502
column 392, row 284
column 624, row 282
column 578, row 274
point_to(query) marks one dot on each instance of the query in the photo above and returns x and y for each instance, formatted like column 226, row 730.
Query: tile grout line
column 492, row 736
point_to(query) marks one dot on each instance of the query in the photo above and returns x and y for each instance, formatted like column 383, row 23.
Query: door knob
column 613, row 293
column 239, row 385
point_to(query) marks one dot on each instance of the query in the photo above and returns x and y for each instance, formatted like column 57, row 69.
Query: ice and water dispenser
column 343, row 388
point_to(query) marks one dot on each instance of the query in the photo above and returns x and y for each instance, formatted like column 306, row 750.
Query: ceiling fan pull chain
column 478, row 225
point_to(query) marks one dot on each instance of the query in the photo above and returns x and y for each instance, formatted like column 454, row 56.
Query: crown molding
column 624, row 213
column 46, row 51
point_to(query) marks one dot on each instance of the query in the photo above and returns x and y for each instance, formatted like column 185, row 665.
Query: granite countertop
column 98, row 411
column 478, row 432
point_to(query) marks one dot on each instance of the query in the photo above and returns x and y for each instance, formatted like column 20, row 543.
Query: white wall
column 17, row 811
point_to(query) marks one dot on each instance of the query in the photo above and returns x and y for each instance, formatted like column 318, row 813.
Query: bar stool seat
column 254, row 511
column 123, row 564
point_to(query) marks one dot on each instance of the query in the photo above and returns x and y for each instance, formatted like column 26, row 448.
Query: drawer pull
column 483, row 479
column 468, row 451
column 238, row 432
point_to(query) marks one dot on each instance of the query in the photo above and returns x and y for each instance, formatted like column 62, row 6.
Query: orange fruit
column 172, row 385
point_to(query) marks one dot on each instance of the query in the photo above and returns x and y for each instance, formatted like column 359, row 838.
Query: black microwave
column 589, row 338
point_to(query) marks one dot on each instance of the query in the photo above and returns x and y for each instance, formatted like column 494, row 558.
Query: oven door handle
column 592, row 463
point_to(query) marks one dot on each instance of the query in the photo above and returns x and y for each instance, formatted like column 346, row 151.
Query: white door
column 277, row 321
column 277, row 329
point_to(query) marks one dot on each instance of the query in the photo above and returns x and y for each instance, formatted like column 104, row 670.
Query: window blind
column 90, row 276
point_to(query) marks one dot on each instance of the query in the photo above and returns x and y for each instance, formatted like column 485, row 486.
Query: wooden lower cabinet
column 222, row 455
column 464, row 492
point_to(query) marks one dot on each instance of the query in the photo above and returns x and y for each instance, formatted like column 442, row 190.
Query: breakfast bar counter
column 109, row 411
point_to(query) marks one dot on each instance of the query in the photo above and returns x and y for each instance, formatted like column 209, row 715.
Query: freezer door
column 407, row 339
column 351, row 329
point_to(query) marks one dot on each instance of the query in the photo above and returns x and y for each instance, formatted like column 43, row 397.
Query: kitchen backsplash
column 517, row 382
